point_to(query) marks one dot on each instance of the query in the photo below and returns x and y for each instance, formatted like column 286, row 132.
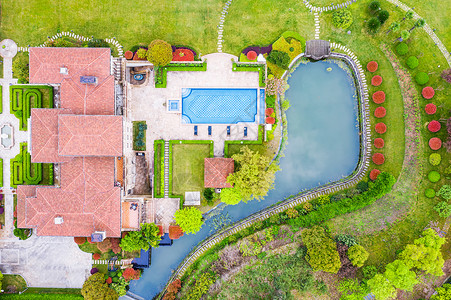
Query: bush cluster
column 376, row 80
column 430, row 108
column 279, row 58
column 379, row 97
column 140, row 137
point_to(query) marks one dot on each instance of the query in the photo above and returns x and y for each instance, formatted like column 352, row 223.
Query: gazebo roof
column 216, row 171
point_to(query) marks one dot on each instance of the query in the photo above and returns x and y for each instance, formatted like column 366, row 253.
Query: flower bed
column 380, row 128
column 376, row 80
column 434, row 126
column 380, row 112
column 372, row 66
column 430, row 108
column 435, row 143
column 182, row 55
column 428, row 92
column 379, row 143
column 378, row 158
column 379, row 97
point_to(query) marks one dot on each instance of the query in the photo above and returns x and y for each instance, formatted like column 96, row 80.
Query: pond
column 323, row 146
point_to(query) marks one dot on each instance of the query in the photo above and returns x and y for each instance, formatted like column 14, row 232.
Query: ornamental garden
column 209, row 173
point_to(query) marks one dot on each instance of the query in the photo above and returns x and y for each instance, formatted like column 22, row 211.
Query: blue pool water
column 173, row 105
column 323, row 146
column 219, row 106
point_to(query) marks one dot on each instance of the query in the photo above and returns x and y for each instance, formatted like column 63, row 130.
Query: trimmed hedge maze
column 25, row 97
column 23, row 171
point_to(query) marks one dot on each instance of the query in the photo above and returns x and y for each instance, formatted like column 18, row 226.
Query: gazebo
column 216, row 171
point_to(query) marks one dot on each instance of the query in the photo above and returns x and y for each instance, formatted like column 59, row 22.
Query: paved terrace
column 149, row 103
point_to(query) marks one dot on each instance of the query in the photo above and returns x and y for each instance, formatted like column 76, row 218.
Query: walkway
column 221, row 24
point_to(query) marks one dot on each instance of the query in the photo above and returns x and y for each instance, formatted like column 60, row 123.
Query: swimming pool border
column 349, row 181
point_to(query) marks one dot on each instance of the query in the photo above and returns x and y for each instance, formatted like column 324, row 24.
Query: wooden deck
column 317, row 49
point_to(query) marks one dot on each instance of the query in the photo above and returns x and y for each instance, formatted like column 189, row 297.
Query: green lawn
column 53, row 291
column 179, row 22
column 13, row 280
column 188, row 168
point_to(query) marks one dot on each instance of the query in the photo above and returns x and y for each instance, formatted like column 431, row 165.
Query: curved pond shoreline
column 265, row 208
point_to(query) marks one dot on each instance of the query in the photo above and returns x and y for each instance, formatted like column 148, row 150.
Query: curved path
column 353, row 179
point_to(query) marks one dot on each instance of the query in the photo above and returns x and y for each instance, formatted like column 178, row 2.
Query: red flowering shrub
column 15, row 213
column 251, row 55
column 380, row 128
column 269, row 111
column 372, row 66
column 379, row 143
column 79, row 240
column 270, row 120
column 428, row 92
column 104, row 246
column 380, row 112
column 96, row 256
column 128, row 55
column 379, row 97
column 172, row 290
column 378, row 158
column 89, row 240
column 376, row 80
column 109, row 280
column 131, row 274
column 435, row 143
column 374, row 173
column 175, row 232
column 182, row 55
column 434, row 126
column 430, row 108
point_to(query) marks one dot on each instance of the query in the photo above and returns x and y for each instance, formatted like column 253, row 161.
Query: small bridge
column 317, row 49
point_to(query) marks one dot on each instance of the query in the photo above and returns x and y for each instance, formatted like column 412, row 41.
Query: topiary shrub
column 79, row 240
column 141, row 53
column 270, row 120
column 435, row 159
column 374, row 6
column 342, row 18
column 279, row 58
column 251, row 55
column 412, row 62
column 382, row 16
column 435, row 143
column 128, row 55
column 380, row 128
column 379, row 97
column 402, row 49
column 378, row 158
column 373, row 25
column 434, row 176
column 430, row 108
column 422, row 78
column 376, row 80
column 96, row 256
column 429, row 193
column 159, row 53
column 380, row 112
column 372, row 66
column 434, row 126
column 428, row 92
column 269, row 111
column 379, row 143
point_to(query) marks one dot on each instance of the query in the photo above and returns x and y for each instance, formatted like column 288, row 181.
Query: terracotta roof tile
column 216, row 171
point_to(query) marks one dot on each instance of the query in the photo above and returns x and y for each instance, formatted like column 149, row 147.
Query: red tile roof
column 84, row 135
column 216, row 171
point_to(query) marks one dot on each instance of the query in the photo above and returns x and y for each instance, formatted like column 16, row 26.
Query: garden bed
column 158, row 169
column 139, row 135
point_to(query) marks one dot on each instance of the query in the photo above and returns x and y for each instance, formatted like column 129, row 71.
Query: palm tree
column 395, row 26
column 418, row 24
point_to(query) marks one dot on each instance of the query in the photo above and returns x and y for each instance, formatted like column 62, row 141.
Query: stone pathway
column 317, row 26
column 221, row 24
column 327, row 8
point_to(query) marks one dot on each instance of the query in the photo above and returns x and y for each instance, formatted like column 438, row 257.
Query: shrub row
column 161, row 72
column 23, row 171
column 139, row 135
column 158, row 168
column 252, row 68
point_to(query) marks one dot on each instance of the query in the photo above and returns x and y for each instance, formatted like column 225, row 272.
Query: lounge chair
column 195, row 130
column 245, row 131
column 209, row 130
column 228, row 130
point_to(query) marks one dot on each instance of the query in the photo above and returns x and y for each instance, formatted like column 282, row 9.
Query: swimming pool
column 219, row 106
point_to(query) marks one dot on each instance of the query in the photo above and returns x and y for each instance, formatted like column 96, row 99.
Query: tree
column 322, row 251
column 381, row 288
column 400, row 275
column 120, row 287
column 172, row 290
column 148, row 236
column 445, row 190
column 373, row 25
column 383, row 16
column 395, row 26
column 351, row 290
column 95, row 288
column 255, row 174
column 374, row 6
column 21, row 67
column 342, row 18
column 418, row 24
column 131, row 274
column 443, row 293
column 405, row 35
column 231, row 196
column 407, row 16
column 358, row 255
column 189, row 219
column 443, row 209
column 279, row 58
column 1, row 281
column 159, row 53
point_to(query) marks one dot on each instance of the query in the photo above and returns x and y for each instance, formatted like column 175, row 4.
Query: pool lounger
column 228, row 130
column 195, row 130
column 245, row 131
column 209, row 130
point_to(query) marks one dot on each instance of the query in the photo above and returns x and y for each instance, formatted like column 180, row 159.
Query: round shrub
column 435, row 143
column 374, row 5
column 378, row 158
column 376, row 80
column 128, row 54
column 383, row 16
column 141, row 53
column 269, row 111
column 434, row 176
column 89, row 240
column 79, row 240
column 379, row 143
column 380, row 128
column 372, row 66
column 96, row 256
column 380, row 112
column 159, row 53
column 270, row 120
column 422, row 78
column 429, row 193
column 430, row 108
column 94, row 270
column 342, row 18
column 109, row 280
column 374, row 173
column 373, row 25
column 434, row 126
column 435, row 159
column 379, row 97
column 251, row 55
column 412, row 62
column 402, row 49
column 428, row 92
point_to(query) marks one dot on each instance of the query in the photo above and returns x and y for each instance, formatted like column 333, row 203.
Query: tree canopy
column 381, row 288
column 189, row 219
column 95, row 288
column 231, row 196
column 443, row 293
column 159, row 53
column 342, row 18
column 148, row 236
column 254, row 175
column 358, row 255
column 400, row 275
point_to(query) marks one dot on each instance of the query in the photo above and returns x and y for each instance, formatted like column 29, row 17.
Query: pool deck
column 149, row 103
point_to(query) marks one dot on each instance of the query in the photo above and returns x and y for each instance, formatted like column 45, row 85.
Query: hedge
column 259, row 141
column 252, row 68
column 158, row 168
column 161, row 72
